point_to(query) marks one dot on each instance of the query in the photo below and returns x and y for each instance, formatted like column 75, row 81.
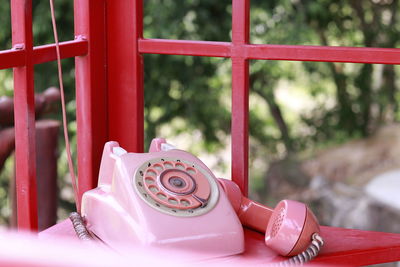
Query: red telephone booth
column 108, row 49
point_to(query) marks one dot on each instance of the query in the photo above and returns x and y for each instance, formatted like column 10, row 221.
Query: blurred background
column 324, row 133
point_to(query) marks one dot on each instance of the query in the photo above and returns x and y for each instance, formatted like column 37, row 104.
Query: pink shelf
column 342, row 247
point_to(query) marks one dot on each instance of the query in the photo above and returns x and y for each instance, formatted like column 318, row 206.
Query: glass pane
column 337, row 23
column 323, row 133
column 190, row 20
column 188, row 102
column 42, row 27
column 6, row 144
column 5, row 24
column 46, row 83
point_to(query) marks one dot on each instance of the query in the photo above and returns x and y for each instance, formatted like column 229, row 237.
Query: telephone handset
column 168, row 197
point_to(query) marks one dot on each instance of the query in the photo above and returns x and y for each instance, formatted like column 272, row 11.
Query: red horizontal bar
column 46, row 53
column 272, row 52
column 184, row 47
column 324, row 53
column 16, row 58
column 11, row 58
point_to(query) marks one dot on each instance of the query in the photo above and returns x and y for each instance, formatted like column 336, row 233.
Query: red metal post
column 46, row 173
column 46, row 164
column 24, row 113
column 125, row 73
column 240, row 94
column 91, row 91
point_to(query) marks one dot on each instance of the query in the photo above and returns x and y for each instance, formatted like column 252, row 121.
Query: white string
column 64, row 114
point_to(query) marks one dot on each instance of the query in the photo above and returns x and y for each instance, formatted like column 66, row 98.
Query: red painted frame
column 108, row 51
column 24, row 116
column 240, row 51
column 22, row 57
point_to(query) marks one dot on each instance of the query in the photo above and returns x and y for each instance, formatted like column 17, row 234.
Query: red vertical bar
column 91, row 91
column 240, row 94
column 125, row 73
column 24, row 117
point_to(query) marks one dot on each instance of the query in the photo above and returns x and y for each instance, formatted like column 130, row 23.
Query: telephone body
column 131, row 205
column 168, row 197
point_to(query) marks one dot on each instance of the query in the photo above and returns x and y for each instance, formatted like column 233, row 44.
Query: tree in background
column 361, row 102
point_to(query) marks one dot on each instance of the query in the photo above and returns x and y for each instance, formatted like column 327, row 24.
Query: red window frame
column 108, row 51
column 240, row 51
column 22, row 58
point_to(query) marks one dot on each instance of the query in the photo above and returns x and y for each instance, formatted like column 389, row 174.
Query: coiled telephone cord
column 310, row 253
column 80, row 227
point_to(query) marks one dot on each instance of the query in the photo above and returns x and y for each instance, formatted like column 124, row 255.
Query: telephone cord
column 310, row 253
column 80, row 227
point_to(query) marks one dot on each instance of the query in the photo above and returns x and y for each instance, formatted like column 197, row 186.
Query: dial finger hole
column 158, row 167
column 151, row 173
column 179, row 166
column 153, row 188
column 168, row 165
column 161, row 196
column 149, row 180
column 173, row 201
column 191, row 170
column 185, row 203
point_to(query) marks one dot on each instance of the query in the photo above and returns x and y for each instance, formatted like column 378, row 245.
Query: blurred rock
column 358, row 161
column 337, row 204
column 354, row 185
column 385, row 189
column 285, row 177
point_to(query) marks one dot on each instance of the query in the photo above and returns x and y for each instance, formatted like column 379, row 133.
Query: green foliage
column 186, row 87
column 5, row 22
column 46, row 74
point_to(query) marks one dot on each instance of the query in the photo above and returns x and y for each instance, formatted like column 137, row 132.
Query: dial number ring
column 176, row 186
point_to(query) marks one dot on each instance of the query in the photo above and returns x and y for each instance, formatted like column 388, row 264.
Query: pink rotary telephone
column 168, row 197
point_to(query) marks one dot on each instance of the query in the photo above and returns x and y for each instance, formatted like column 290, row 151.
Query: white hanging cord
column 64, row 115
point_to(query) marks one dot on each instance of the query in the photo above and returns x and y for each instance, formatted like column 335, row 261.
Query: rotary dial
column 176, row 187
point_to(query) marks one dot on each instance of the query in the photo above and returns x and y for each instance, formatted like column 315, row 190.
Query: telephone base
column 116, row 228
column 164, row 198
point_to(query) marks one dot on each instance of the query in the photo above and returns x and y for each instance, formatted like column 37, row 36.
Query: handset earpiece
column 289, row 228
